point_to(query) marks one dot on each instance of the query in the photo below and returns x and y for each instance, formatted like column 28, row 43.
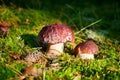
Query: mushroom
column 54, row 36
column 86, row 50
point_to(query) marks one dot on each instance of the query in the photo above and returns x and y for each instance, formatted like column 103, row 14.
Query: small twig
column 44, row 72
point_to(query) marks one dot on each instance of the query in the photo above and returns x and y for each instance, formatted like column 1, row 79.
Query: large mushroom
column 86, row 50
column 54, row 36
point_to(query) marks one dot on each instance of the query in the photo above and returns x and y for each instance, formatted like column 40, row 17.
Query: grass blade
column 88, row 26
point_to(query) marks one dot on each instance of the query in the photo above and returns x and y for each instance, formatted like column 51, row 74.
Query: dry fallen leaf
column 112, row 68
column 15, row 56
column 4, row 28
column 31, row 71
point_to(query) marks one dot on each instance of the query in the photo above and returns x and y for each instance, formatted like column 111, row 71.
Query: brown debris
column 30, row 71
column 15, row 56
column 4, row 28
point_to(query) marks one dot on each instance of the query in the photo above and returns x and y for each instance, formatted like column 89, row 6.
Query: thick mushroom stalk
column 54, row 36
column 55, row 49
column 86, row 56
column 86, row 50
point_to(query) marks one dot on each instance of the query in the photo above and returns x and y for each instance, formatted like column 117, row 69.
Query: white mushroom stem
column 86, row 56
column 55, row 49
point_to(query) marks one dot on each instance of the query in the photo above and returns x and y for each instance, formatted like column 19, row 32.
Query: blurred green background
column 78, row 12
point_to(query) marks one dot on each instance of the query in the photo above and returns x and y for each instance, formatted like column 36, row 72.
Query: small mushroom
column 54, row 36
column 86, row 50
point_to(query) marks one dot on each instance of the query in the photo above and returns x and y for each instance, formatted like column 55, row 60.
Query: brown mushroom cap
column 56, row 33
column 88, row 47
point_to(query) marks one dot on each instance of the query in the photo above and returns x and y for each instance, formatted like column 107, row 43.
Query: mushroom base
column 86, row 56
column 55, row 49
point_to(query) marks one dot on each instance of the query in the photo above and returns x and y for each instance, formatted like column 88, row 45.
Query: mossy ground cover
column 27, row 21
